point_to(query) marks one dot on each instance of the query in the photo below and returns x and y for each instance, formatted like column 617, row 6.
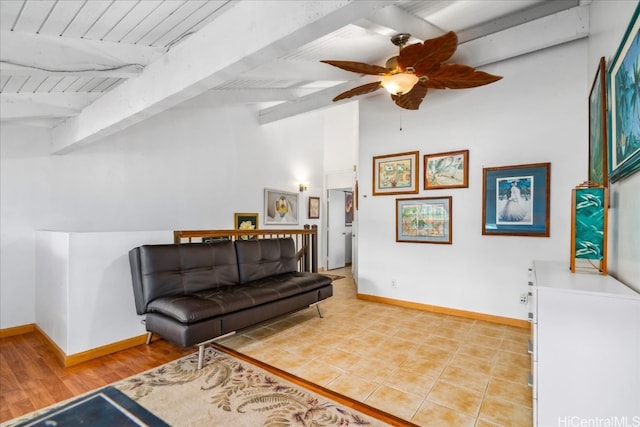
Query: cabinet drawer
column 532, row 299
column 532, row 380
column 533, row 342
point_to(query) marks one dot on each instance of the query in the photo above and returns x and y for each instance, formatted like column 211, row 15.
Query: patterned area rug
column 231, row 391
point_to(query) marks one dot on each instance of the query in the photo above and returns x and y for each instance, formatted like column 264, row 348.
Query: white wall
column 183, row 169
column 51, row 285
column 340, row 157
column 23, row 199
column 83, row 287
column 341, row 139
column 536, row 113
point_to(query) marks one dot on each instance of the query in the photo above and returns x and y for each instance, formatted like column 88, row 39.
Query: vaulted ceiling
column 89, row 68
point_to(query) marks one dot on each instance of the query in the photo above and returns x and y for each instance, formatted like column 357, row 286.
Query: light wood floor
column 31, row 377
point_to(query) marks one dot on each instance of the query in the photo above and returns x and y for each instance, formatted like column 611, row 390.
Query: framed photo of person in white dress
column 516, row 200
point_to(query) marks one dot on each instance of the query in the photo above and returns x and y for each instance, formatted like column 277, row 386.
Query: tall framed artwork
column 598, row 164
column 515, row 200
column 314, row 208
column 395, row 174
column 624, row 100
column 589, row 228
column 280, row 207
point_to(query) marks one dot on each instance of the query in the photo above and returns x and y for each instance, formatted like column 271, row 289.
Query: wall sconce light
column 303, row 187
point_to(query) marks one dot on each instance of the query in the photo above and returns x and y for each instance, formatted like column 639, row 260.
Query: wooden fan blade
column 410, row 55
column 358, row 67
column 458, row 76
column 426, row 56
column 359, row 90
column 442, row 48
column 412, row 99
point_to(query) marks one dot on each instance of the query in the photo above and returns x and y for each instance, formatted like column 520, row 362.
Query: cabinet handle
column 530, row 347
column 530, row 380
column 530, row 316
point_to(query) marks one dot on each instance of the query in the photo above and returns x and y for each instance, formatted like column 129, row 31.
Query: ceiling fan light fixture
column 399, row 83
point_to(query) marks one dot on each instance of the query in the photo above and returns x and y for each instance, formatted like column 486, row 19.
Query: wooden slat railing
column 306, row 240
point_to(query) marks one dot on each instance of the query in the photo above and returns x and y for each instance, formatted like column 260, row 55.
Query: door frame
column 334, row 202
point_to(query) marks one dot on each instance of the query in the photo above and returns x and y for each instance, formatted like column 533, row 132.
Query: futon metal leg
column 149, row 335
column 319, row 311
column 202, row 345
column 200, row 355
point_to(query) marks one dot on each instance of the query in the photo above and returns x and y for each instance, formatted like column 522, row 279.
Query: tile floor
column 428, row 368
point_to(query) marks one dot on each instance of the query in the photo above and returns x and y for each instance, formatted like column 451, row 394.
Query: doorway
column 339, row 228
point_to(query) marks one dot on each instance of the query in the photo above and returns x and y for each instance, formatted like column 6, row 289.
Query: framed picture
column 598, row 165
column 589, row 228
column 624, row 126
column 395, row 174
column 314, row 207
column 245, row 221
column 515, row 200
column 348, row 208
column 280, row 207
column 446, row 170
column 424, row 220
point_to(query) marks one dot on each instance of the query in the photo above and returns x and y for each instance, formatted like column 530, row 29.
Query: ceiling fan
column 416, row 69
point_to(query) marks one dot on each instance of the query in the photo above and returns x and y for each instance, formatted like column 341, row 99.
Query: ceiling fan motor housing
column 400, row 39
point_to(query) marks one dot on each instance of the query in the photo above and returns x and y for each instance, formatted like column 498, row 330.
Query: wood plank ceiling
column 58, row 58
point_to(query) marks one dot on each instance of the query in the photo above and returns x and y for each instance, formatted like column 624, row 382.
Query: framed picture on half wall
column 245, row 221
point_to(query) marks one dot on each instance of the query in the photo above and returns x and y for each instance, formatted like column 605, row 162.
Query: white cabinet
column 585, row 348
